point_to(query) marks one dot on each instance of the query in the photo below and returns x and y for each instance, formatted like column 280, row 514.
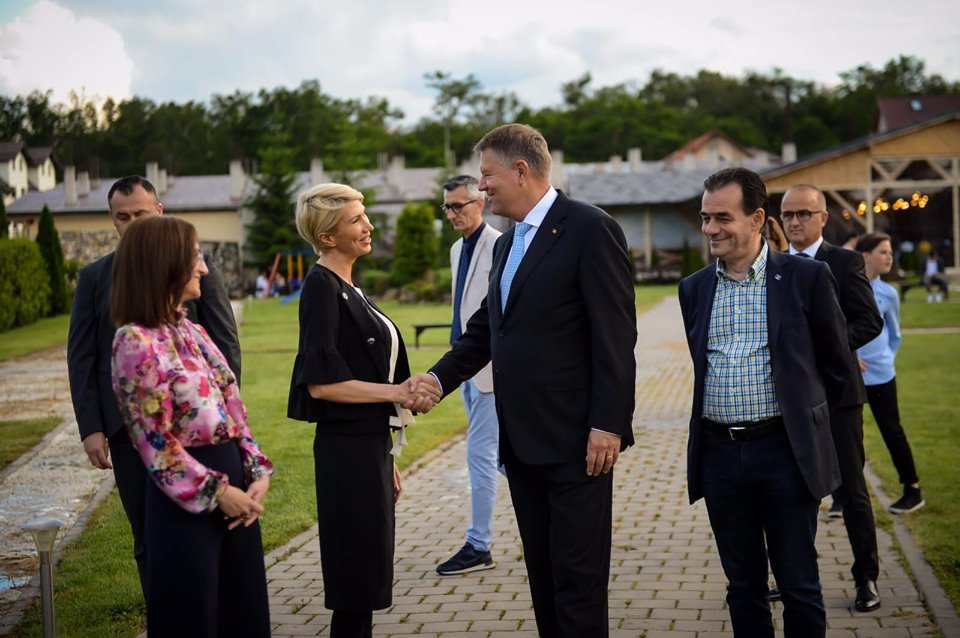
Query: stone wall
column 89, row 246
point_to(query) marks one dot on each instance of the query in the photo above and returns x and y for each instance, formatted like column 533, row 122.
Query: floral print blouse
column 176, row 391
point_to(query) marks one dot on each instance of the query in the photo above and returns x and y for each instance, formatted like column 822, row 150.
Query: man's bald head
column 803, row 211
column 809, row 189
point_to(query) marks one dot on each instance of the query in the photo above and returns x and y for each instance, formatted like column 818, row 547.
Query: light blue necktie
column 513, row 262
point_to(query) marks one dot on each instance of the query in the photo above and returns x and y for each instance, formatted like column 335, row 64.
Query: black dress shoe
column 868, row 598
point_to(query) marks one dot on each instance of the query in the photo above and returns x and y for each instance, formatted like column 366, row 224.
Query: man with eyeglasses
column 804, row 214
column 471, row 258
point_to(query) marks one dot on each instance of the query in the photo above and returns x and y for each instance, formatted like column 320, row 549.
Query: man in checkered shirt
column 767, row 338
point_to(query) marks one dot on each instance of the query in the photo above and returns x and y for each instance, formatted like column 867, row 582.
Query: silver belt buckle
column 731, row 430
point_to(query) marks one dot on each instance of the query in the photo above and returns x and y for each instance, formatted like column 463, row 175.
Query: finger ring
column 609, row 456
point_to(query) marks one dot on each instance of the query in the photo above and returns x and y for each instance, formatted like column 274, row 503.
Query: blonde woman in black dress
column 348, row 378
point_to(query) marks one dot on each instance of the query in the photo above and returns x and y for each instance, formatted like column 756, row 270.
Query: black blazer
column 340, row 340
column 807, row 336
column 562, row 353
column 90, row 341
column 860, row 310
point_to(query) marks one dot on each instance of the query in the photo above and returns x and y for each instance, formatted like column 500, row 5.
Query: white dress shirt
column 810, row 251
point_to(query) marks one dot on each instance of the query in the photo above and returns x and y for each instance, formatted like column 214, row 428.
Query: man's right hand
column 95, row 445
column 427, row 391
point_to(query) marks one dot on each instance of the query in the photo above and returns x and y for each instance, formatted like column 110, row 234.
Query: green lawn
column 97, row 588
column 917, row 313
column 649, row 294
column 40, row 335
column 16, row 437
column 928, row 386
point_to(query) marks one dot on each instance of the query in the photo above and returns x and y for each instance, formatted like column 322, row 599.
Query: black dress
column 341, row 339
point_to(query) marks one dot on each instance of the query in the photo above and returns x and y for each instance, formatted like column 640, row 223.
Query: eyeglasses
column 801, row 215
column 455, row 208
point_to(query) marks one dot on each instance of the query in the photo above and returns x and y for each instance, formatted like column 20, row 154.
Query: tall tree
column 4, row 221
column 273, row 229
column 416, row 245
column 48, row 240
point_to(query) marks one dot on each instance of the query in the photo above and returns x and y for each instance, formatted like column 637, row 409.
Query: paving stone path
column 54, row 479
column 666, row 578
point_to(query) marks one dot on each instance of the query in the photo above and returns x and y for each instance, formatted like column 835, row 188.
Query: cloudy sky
column 189, row 49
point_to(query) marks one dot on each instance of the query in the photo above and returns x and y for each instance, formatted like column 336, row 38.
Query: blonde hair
column 319, row 209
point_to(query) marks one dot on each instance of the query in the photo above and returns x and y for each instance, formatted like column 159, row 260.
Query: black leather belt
column 747, row 431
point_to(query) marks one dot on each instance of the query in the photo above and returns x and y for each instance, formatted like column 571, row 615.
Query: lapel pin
column 554, row 231
column 344, row 295
column 777, row 277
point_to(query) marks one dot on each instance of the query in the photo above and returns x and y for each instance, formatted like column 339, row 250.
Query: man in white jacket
column 471, row 257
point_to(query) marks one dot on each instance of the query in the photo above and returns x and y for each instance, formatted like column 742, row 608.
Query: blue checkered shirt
column 739, row 382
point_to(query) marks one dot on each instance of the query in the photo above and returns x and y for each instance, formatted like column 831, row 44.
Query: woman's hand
column 257, row 491
column 397, row 484
column 239, row 506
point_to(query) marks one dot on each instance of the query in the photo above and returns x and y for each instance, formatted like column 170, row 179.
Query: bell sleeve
column 318, row 361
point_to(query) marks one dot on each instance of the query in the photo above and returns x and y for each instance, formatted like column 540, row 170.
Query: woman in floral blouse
column 182, row 408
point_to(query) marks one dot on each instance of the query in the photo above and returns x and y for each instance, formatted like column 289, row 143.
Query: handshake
column 419, row 393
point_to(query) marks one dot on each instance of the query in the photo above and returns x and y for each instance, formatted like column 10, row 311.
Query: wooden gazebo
column 882, row 180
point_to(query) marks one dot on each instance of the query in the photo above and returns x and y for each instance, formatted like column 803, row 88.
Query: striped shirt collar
column 757, row 269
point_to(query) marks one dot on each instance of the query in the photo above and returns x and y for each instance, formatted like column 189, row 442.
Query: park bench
column 419, row 328
column 906, row 285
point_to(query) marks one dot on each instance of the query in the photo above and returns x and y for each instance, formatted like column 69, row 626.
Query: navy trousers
column 758, row 503
column 203, row 579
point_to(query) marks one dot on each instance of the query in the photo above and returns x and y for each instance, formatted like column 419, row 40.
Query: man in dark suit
column 89, row 355
column 766, row 335
column 559, row 325
column 804, row 215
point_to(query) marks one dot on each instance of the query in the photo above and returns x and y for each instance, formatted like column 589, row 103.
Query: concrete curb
column 938, row 603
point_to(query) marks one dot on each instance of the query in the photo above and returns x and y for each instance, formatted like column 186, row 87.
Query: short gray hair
column 467, row 181
column 512, row 142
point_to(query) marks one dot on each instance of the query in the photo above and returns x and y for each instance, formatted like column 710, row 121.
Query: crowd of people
column 788, row 334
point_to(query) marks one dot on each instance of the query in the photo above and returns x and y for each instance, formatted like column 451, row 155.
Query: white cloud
column 190, row 49
column 49, row 47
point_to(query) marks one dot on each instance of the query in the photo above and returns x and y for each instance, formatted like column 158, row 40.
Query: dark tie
column 455, row 330
column 804, row 255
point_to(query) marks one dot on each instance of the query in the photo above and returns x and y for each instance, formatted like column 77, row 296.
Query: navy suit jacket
column 90, row 341
column 562, row 352
column 808, row 357
column 860, row 310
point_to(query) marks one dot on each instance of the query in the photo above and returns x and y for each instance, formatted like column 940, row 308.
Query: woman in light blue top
column 879, row 375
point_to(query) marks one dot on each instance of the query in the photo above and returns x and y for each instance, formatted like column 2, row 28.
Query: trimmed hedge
column 24, row 283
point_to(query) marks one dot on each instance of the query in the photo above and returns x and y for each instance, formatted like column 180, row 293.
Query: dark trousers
column 131, row 478
column 564, row 517
column 351, row 624
column 204, row 580
column 758, row 503
column 846, row 424
column 886, row 412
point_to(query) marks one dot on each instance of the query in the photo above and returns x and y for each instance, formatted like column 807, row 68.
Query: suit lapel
column 778, row 284
column 477, row 251
column 370, row 331
column 455, row 261
column 704, row 312
column 546, row 238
